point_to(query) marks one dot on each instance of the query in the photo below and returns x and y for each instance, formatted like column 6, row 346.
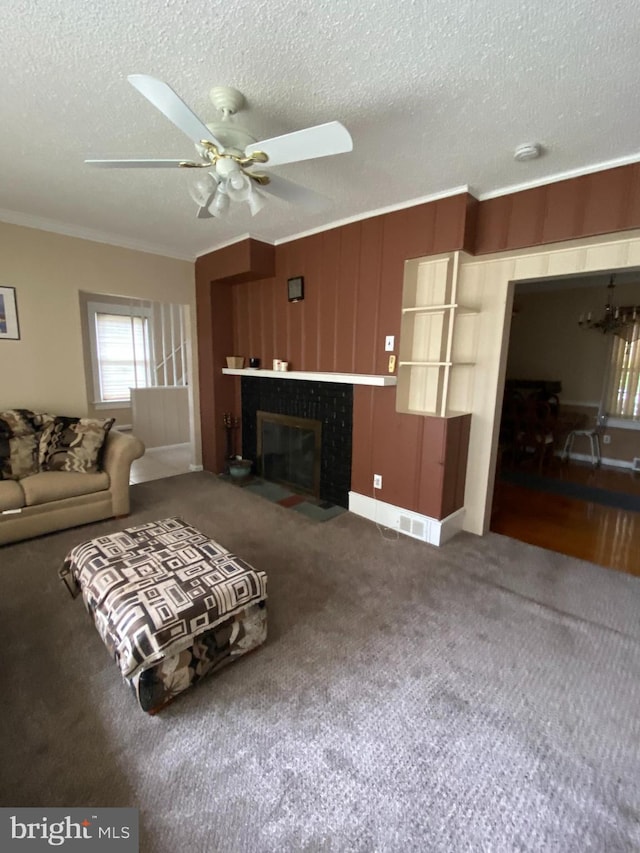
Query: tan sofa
column 54, row 500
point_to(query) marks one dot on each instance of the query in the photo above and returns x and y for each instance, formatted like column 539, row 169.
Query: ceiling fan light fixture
column 225, row 166
column 238, row 186
column 220, row 204
column 202, row 188
column 256, row 202
column 237, row 180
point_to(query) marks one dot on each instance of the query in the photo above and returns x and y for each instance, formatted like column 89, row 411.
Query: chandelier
column 617, row 319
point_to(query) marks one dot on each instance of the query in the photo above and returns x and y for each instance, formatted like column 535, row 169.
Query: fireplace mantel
column 309, row 375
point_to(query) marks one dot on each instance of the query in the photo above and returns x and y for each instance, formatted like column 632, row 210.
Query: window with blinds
column 121, row 350
column 624, row 380
column 122, row 345
column 132, row 343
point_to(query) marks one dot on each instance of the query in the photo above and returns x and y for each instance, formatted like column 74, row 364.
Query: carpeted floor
column 480, row 696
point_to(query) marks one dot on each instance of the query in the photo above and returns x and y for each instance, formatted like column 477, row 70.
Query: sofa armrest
column 120, row 450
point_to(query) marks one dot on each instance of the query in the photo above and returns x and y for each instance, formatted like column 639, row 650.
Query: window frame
column 126, row 310
column 617, row 372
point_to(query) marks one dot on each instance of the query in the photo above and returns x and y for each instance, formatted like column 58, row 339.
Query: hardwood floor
column 589, row 531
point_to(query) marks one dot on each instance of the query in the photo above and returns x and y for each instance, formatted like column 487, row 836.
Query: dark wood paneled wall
column 215, row 275
column 353, row 279
column 601, row 203
column 353, row 289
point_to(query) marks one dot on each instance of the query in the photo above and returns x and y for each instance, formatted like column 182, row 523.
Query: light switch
column 392, row 363
column 389, row 343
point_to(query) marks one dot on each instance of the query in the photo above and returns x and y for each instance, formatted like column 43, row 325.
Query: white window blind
column 624, row 383
column 122, row 347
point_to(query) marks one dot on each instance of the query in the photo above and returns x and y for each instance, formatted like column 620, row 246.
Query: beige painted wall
column 547, row 343
column 45, row 370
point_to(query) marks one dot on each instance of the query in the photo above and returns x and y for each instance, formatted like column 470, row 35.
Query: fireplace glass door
column 289, row 451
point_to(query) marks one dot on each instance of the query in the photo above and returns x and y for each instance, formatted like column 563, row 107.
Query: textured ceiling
column 436, row 96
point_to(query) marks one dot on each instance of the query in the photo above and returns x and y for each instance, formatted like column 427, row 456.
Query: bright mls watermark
column 38, row 829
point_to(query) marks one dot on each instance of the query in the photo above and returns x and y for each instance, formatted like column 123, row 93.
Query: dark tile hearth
column 316, row 510
column 292, row 500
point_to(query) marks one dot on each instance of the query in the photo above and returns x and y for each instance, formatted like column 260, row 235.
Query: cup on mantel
column 235, row 362
column 276, row 363
column 284, row 365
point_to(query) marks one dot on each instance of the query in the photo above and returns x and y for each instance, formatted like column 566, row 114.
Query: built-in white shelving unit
column 438, row 340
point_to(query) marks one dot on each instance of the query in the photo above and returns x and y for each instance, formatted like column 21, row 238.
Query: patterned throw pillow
column 73, row 444
column 18, row 444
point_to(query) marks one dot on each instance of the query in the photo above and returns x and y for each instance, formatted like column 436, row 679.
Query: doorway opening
column 565, row 477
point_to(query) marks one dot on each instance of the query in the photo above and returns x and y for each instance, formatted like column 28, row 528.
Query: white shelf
column 438, row 340
column 435, row 309
column 311, row 376
column 427, row 309
column 425, row 363
column 448, row 413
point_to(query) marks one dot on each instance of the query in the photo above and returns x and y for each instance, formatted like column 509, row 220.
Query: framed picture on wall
column 295, row 288
column 9, row 329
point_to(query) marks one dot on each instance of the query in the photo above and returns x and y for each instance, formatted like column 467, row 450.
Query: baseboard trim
column 196, row 468
column 612, row 463
column 435, row 531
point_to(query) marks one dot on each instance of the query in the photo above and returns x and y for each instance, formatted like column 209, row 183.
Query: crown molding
column 629, row 160
column 13, row 217
column 380, row 211
column 403, row 205
column 231, row 242
column 16, row 218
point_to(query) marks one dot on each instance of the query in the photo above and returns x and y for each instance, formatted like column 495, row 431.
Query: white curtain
column 623, row 398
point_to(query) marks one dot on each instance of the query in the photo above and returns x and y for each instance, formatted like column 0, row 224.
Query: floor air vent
column 413, row 527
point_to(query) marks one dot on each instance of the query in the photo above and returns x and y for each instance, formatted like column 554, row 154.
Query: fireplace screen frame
column 309, row 424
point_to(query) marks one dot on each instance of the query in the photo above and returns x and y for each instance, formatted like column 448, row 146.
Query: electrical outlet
column 392, row 363
column 389, row 343
column 377, row 481
column 606, row 439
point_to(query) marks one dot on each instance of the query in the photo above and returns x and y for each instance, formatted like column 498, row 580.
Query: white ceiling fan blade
column 140, row 163
column 173, row 107
column 319, row 141
column 296, row 194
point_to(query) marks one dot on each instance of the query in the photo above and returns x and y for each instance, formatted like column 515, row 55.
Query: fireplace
column 330, row 404
column 289, row 451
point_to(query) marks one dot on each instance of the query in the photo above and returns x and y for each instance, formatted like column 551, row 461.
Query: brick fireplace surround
column 328, row 402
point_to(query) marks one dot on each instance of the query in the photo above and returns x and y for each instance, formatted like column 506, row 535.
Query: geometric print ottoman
column 170, row 604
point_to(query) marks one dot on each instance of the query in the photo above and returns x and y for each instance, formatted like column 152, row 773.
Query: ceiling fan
column 228, row 154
